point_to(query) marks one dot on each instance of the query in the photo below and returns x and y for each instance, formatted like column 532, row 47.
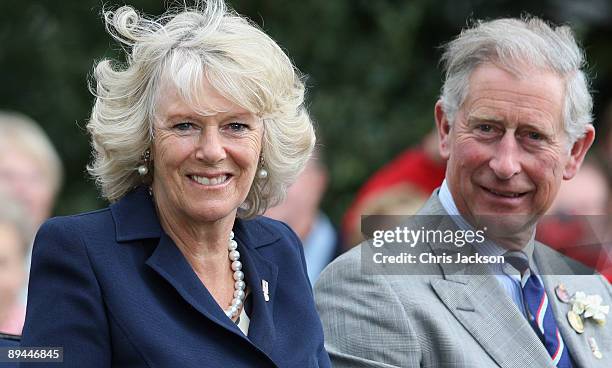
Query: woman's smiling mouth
column 210, row 180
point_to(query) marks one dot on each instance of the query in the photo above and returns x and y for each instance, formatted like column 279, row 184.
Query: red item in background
column 413, row 166
column 575, row 237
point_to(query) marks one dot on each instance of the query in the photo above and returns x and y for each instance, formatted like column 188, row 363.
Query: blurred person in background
column 301, row 211
column 400, row 187
column 15, row 237
column 196, row 134
column 31, row 171
column 586, row 194
column 578, row 221
column 30, row 168
column 604, row 144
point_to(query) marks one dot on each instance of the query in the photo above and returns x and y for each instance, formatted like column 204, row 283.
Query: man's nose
column 210, row 146
column 505, row 162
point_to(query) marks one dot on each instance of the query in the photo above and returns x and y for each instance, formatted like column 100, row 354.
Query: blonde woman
column 195, row 135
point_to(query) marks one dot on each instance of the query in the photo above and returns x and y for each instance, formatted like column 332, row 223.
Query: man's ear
column 578, row 152
column 443, row 130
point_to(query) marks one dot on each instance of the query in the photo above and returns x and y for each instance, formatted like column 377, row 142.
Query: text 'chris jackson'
column 458, row 258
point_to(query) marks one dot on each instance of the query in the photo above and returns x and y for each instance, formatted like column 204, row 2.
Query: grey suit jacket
column 447, row 319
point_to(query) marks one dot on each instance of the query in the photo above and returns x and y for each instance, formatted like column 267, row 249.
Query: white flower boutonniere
column 589, row 306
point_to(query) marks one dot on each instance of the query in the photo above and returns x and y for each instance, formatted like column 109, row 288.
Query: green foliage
column 371, row 65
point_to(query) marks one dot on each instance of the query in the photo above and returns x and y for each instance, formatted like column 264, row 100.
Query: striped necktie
column 539, row 312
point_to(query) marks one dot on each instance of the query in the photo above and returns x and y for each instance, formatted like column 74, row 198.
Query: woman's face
column 204, row 161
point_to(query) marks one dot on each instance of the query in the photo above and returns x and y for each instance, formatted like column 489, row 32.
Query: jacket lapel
column 576, row 347
column 251, row 236
column 136, row 219
column 168, row 261
column 483, row 308
column 477, row 300
column 554, row 270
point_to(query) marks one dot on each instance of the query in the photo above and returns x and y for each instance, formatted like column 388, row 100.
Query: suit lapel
column 554, row 271
column 483, row 308
column 257, row 270
column 576, row 347
column 477, row 300
column 136, row 219
column 168, row 261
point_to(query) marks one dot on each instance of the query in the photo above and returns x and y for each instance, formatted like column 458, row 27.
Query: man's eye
column 535, row 136
column 485, row 128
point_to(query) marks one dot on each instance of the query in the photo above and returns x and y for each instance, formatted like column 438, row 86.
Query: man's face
column 507, row 149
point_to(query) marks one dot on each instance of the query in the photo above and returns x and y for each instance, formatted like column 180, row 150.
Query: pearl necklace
column 239, row 284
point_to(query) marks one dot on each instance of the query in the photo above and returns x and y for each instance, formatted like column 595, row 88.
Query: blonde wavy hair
column 239, row 60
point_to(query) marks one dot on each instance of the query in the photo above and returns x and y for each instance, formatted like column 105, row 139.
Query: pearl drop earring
column 262, row 173
column 143, row 169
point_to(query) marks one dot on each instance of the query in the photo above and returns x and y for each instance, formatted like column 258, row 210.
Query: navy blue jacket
column 112, row 289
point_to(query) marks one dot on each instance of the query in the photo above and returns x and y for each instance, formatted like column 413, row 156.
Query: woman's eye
column 237, row 127
column 184, row 126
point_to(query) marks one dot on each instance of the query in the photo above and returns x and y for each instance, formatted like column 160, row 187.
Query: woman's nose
column 210, row 146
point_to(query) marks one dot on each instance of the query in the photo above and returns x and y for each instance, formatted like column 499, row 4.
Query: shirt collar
column 488, row 247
